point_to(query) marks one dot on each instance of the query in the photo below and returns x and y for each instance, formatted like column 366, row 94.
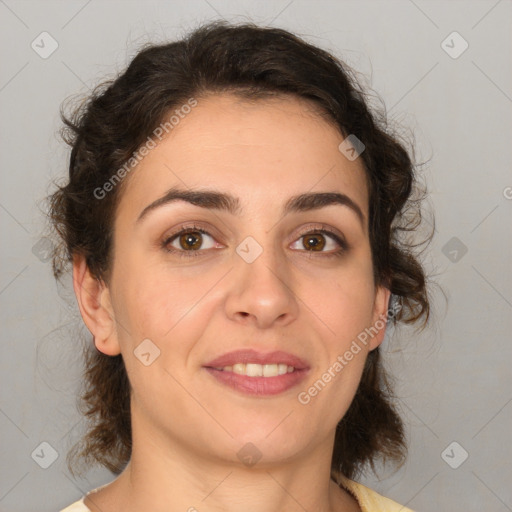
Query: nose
column 261, row 291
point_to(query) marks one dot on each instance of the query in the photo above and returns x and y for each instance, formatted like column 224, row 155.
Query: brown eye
column 322, row 241
column 191, row 240
column 314, row 242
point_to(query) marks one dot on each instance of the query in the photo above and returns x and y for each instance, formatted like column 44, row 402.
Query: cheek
column 166, row 305
column 345, row 306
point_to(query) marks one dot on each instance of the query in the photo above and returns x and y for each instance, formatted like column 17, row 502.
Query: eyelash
column 196, row 229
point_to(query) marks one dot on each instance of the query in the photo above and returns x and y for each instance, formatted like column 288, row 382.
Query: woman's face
column 263, row 278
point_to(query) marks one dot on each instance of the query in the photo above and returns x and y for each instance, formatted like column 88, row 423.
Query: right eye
column 188, row 240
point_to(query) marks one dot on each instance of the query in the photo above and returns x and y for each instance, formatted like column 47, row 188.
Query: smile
column 258, row 370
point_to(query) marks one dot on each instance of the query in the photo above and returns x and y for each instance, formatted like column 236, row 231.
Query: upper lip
column 252, row 356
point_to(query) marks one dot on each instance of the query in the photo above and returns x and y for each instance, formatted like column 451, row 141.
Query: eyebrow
column 212, row 199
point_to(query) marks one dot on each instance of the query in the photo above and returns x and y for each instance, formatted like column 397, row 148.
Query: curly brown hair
column 254, row 62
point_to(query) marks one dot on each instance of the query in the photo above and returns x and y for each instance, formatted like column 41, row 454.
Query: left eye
column 316, row 242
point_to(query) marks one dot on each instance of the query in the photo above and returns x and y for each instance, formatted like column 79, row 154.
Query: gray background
column 453, row 380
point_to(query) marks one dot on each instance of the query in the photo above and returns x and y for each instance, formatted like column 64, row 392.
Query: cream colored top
column 368, row 500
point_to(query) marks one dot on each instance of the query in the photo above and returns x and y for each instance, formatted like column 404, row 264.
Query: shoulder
column 78, row 506
column 369, row 500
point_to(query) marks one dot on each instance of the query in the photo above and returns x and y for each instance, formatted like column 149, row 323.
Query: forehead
column 265, row 150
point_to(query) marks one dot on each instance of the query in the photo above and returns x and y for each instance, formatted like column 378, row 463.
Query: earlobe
column 380, row 314
column 93, row 298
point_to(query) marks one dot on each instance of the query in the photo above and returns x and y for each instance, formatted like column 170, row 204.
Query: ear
column 93, row 299
column 380, row 313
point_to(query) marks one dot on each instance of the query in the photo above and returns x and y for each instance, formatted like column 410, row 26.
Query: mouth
column 258, row 370
column 253, row 373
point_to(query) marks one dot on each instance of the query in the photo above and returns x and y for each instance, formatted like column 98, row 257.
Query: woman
column 232, row 219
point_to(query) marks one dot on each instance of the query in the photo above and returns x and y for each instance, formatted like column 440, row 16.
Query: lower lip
column 259, row 386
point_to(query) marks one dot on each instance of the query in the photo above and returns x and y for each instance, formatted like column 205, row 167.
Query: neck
column 164, row 475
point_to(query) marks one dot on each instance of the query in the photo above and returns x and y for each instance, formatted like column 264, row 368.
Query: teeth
column 258, row 370
column 283, row 368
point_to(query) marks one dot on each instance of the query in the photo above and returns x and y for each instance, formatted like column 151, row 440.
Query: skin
column 187, row 427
